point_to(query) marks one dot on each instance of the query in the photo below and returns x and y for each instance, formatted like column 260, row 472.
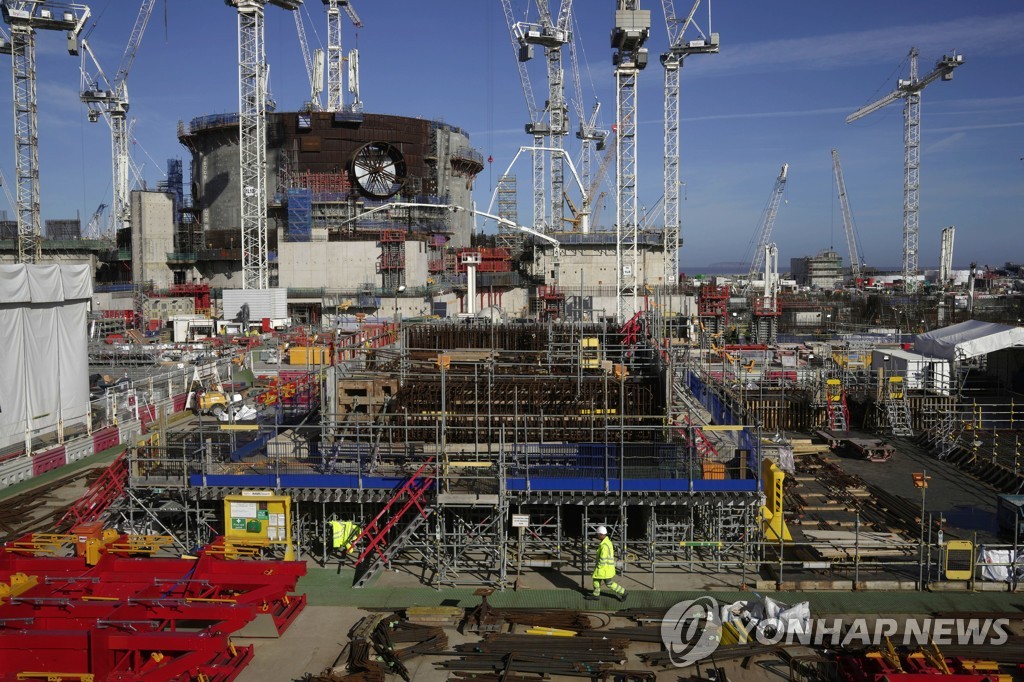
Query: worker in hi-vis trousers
column 343, row 536
column 604, row 571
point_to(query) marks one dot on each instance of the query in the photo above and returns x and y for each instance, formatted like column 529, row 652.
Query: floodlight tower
column 252, row 137
column 680, row 47
column 109, row 99
column 910, row 91
column 336, row 57
column 632, row 26
column 24, row 17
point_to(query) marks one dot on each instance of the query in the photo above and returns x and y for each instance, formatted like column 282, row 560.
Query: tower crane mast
column 632, row 27
column 910, row 91
column 109, row 99
column 588, row 134
column 336, row 55
column 551, row 34
column 680, row 47
column 764, row 230
column 252, row 138
column 848, row 226
column 535, row 126
column 25, row 17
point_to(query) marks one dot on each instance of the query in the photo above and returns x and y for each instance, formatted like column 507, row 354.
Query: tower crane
column 535, row 125
column 25, row 17
column 910, row 91
column 946, row 256
column 109, row 99
column 589, row 135
column 252, row 137
column 551, row 34
column 632, row 27
column 336, row 57
column 7, row 193
column 764, row 229
column 595, row 182
column 92, row 230
column 314, row 65
column 680, row 47
column 848, row 226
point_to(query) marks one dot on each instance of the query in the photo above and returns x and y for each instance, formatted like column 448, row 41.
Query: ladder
column 835, row 404
column 379, row 548
column 897, row 408
column 947, row 435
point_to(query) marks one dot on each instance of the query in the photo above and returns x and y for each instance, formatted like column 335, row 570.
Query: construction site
column 301, row 418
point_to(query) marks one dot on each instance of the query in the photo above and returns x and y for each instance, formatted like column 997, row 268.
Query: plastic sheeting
column 996, row 564
column 968, row 339
column 45, row 360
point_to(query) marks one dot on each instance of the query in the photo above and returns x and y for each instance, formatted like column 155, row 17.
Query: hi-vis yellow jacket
column 605, row 568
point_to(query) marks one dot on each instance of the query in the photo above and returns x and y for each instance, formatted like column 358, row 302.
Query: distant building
column 63, row 229
column 824, row 271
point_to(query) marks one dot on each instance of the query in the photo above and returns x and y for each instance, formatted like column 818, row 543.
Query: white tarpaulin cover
column 996, row 564
column 44, row 364
column 968, row 339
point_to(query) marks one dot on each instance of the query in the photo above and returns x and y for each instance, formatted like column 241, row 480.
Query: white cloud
column 949, row 142
column 981, row 126
column 997, row 34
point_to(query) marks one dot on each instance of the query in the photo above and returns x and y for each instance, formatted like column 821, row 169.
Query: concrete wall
column 343, row 265
column 597, row 262
column 333, row 265
column 113, row 300
column 215, row 180
column 152, row 237
column 459, row 188
column 221, row 274
column 57, row 257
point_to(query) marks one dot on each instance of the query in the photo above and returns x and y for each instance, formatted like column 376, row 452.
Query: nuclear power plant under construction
column 307, row 411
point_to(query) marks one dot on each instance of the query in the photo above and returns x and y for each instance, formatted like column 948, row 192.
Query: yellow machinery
column 773, row 524
column 206, row 400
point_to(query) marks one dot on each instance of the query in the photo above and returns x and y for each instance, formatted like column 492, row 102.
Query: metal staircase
column 103, row 492
column 897, row 408
column 382, row 542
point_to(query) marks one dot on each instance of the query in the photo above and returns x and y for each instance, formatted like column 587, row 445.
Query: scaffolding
column 391, row 262
column 434, row 446
column 508, row 209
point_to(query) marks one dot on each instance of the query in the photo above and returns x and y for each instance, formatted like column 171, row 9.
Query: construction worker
column 604, row 569
column 343, row 536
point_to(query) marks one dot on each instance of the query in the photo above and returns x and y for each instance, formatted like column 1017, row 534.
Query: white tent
column 968, row 339
column 44, row 361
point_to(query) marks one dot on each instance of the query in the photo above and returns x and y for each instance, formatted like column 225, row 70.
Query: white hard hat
column 601, row 530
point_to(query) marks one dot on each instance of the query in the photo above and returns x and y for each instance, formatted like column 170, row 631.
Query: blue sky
column 779, row 91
